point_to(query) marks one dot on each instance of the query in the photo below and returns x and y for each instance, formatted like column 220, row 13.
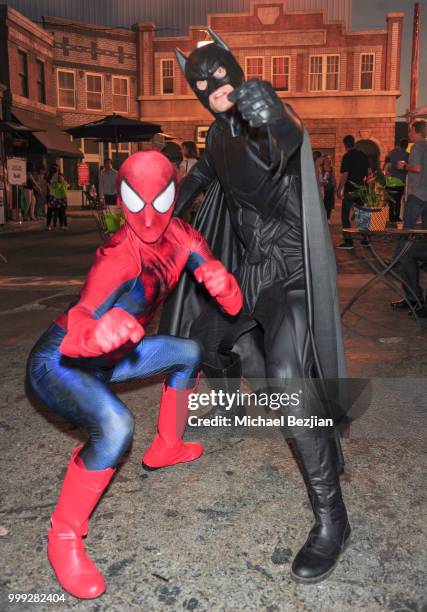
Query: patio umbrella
column 116, row 128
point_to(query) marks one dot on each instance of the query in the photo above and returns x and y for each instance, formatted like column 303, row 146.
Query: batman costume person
column 100, row 340
column 263, row 218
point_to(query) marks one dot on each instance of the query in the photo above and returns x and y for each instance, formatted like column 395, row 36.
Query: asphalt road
column 218, row 534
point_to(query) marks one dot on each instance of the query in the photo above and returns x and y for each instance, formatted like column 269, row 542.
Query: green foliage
column 113, row 221
column 376, row 190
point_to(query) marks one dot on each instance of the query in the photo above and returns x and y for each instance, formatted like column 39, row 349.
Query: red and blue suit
column 100, row 340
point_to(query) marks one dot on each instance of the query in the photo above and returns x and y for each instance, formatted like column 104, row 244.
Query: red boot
column 167, row 447
column 79, row 495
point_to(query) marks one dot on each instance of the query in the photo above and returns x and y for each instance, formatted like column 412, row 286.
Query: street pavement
column 218, row 534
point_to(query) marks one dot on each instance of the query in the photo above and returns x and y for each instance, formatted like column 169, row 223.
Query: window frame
column 163, row 60
column 96, row 74
column 200, row 134
column 288, row 74
column 257, row 57
column 23, row 76
column 324, row 72
column 373, row 72
column 90, row 156
column 41, row 82
column 122, row 78
column 122, row 148
column 69, row 71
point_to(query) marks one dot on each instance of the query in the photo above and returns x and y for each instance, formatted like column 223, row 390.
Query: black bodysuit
column 265, row 208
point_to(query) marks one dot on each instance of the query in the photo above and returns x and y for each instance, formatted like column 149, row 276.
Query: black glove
column 258, row 103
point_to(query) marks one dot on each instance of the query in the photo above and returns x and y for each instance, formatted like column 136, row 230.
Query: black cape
column 214, row 223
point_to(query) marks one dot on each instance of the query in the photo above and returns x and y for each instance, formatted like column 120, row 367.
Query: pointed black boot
column 331, row 531
column 227, row 380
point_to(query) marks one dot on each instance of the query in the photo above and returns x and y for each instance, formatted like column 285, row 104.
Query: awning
column 52, row 139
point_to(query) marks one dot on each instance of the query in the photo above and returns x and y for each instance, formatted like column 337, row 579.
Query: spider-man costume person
column 100, row 341
column 262, row 216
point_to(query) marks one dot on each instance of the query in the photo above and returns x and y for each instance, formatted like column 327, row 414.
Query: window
column 41, row 87
column 280, row 73
column 167, row 74
column 122, row 154
column 316, row 63
column 121, row 94
column 23, row 73
column 91, row 146
column 367, row 71
column 66, row 89
column 324, row 71
column 201, row 133
column 94, row 91
column 254, row 67
column 332, row 67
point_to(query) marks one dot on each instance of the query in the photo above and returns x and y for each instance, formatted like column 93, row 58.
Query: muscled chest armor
column 265, row 209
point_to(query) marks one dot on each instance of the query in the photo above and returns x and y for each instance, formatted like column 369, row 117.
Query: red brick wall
column 246, row 29
column 379, row 130
column 19, row 34
column 84, row 49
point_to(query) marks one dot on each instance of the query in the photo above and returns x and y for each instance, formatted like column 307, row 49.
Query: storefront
column 50, row 144
column 36, row 150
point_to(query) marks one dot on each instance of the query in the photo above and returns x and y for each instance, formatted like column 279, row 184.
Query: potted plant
column 375, row 195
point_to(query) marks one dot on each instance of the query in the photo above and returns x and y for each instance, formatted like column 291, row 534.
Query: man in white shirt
column 108, row 184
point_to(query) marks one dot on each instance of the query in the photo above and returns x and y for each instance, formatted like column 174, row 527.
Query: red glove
column 87, row 337
column 221, row 285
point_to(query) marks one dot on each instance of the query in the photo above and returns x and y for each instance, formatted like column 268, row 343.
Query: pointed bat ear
column 181, row 59
column 218, row 40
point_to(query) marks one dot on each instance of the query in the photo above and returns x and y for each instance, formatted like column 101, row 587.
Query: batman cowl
column 203, row 62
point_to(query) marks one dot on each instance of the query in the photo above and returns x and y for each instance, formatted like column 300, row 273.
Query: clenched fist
column 112, row 330
column 221, row 285
column 257, row 102
column 214, row 276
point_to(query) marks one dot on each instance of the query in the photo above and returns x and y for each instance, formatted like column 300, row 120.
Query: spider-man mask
column 147, row 190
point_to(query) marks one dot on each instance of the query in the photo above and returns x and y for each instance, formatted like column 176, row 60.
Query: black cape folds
column 214, row 223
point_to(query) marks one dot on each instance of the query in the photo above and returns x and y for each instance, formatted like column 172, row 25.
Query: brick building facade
column 95, row 75
column 338, row 81
column 27, row 71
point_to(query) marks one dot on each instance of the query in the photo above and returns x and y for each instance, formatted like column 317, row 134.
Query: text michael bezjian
column 259, row 421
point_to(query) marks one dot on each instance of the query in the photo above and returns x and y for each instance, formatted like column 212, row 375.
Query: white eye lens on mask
column 220, row 73
column 130, row 198
column 201, row 85
column 165, row 200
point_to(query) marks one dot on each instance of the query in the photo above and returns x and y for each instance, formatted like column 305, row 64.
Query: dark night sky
column 369, row 14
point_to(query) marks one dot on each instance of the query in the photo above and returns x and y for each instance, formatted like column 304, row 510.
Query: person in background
column 416, row 167
column 409, row 270
column 93, row 192
column 57, row 199
column 98, row 179
column 355, row 168
column 416, row 206
column 191, row 155
column 158, row 142
column 30, row 189
column 327, row 180
column 390, row 168
column 173, row 152
column 108, row 184
column 40, row 195
column 318, row 160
